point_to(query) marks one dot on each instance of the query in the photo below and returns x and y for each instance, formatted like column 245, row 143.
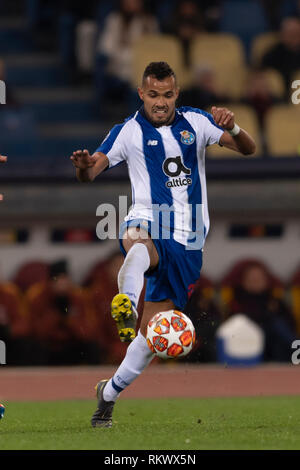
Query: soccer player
column 164, row 149
column 3, row 159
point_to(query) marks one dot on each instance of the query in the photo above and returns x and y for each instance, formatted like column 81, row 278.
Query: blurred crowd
column 106, row 48
column 45, row 318
column 95, row 40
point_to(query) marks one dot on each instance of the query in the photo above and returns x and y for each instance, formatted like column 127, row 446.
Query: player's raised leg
column 141, row 256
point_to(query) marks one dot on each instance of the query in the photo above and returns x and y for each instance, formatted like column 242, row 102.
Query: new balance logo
column 152, row 142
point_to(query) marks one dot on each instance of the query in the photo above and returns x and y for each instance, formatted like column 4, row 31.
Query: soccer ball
column 170, row 334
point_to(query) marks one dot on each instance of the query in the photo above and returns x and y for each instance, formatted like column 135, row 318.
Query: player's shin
column 138, row 356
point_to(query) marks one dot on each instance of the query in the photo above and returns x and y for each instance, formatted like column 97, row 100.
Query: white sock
column 138, row 356
column 131, row 274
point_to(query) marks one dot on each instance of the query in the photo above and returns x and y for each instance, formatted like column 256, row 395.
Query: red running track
column 158, row 381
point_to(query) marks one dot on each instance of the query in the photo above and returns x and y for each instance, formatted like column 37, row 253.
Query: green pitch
column 228, row 423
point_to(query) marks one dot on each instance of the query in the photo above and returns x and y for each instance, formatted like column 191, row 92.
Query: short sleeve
column 208, row 132
column 113, row 146
column 212, row 132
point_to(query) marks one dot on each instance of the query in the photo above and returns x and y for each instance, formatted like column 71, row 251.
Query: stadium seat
column 260, row 45
column 282, row 131
column 294, row 291
column 275, row 82
column 158, row 47
column 30, row 273
column 229, row 68
column 246, row 118
column 233, row 276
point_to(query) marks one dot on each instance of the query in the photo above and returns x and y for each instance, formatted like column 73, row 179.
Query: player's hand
column 3, row 159
column 82, row 159
column 223, row 117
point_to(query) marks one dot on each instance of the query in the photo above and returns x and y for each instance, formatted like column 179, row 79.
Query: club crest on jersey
column 187, row 137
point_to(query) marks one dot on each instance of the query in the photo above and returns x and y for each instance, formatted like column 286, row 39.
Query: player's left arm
column 3, row 159
column 242, row 142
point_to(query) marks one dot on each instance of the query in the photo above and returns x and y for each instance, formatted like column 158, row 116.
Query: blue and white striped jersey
column 166, row 167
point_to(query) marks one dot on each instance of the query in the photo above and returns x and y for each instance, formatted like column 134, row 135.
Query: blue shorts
column 177, row 271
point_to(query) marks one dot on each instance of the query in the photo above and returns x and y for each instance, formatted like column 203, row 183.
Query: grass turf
column 181, row 424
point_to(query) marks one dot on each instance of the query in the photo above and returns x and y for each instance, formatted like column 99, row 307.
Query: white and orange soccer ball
column 170, row 334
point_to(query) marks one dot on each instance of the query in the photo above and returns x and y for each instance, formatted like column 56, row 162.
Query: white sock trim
column 137, row 358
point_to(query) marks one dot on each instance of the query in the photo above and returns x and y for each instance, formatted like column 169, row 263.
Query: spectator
column 102, row 287
column 187, row 22
column 285, row 56
column 259, row 94
column 62, row 324
column 275, row 10
column 72, row 13
column 206, row 318
column 114, row 60
column 203, row 92
column 212, row 10
column 253, row 296
column 14, row 326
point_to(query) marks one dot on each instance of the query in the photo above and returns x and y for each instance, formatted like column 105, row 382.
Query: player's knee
column 135, row 235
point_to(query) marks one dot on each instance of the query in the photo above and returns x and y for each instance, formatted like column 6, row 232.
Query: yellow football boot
column 125, row 316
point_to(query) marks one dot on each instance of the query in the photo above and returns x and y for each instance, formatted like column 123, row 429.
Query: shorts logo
column 187, row 137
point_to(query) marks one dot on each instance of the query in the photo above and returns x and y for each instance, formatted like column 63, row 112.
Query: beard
column 168, row 118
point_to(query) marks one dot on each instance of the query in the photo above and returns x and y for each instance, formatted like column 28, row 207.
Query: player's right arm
column 88, row 166
column 111, row 152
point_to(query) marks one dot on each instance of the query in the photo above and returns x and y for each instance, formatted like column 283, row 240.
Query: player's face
column 159, row 97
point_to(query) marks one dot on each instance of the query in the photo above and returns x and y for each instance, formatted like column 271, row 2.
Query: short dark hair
column 159, row 70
